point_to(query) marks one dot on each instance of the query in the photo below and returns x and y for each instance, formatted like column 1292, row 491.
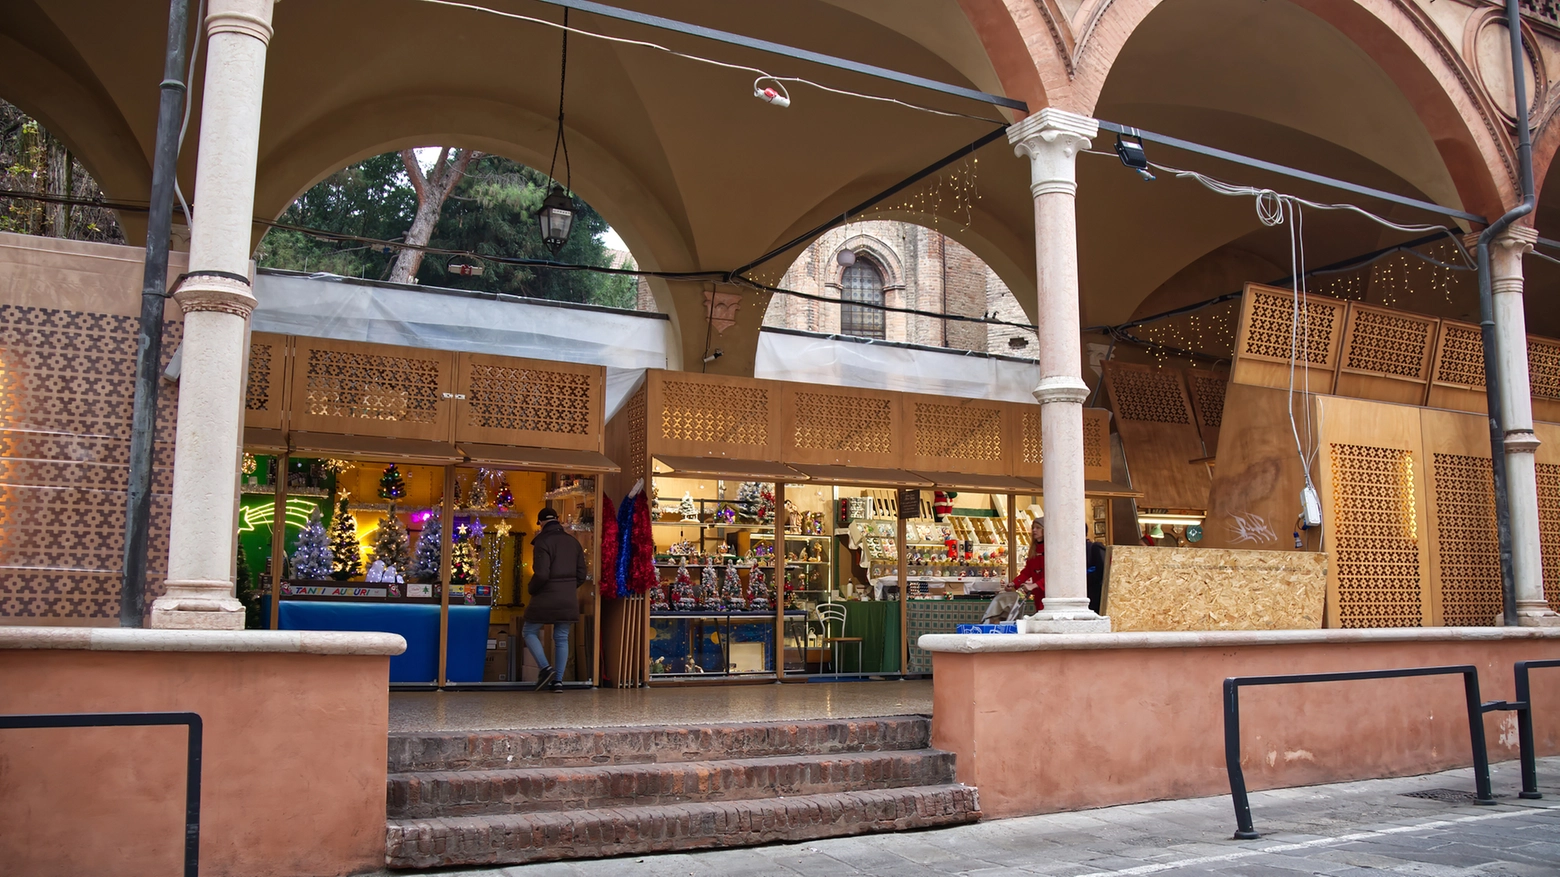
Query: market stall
column 394, row 489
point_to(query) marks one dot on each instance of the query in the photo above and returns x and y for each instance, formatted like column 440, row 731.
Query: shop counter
column 417, row 622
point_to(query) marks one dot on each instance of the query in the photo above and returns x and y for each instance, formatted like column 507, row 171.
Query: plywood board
column 946, row 434
column 1163, row 589
column 1255, row 497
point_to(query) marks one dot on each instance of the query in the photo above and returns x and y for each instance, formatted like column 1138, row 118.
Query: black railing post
column 1525, row 733
column 1243, row 827
column 1481, row 756
column 192, row 797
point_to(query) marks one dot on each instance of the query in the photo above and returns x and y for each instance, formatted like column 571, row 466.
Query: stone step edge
column 607, row 773
column 519, row 838
column 481, row 749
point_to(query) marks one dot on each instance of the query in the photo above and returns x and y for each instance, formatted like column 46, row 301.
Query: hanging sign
column 909, row 502
column 465, row 269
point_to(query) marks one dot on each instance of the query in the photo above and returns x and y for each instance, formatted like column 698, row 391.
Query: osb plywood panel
column 1159, row 589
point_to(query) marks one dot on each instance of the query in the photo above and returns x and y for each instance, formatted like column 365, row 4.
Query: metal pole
column 1525, row 733
column 192, row 796
column 780, row 572
column 1244, row 830
column 1481, row 755
column 1487, row 319
column 148, row 360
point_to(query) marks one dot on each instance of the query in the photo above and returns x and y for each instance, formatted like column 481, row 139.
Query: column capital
column 250, row 18
column 1521, row 441
column 1051, row 138
column 1061, row 388
column 213, row 291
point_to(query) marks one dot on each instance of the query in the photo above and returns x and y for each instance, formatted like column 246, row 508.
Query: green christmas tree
column 248, row 594
column 346, row 556
column 391, row 544
column 391, row 484
column 463, row 558
column 312, row 559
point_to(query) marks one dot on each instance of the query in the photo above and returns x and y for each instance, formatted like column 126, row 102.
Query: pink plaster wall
column 1045, row 731
column 293, row 778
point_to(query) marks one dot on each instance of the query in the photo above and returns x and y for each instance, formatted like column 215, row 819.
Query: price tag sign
column 909, row 502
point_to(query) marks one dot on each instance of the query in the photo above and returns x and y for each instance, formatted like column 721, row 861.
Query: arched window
column 862, row 284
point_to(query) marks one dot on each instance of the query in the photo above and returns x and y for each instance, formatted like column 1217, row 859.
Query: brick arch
column 1029, row 46
column 1427, row 68
column 876, row 251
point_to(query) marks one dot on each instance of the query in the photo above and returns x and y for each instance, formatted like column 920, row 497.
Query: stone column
column 1516, row 401
column 1051, row 138
column 217, row 302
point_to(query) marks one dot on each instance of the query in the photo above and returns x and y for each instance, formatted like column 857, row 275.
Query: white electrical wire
column 762, row 74
column 1268, row 200
column 189, row 101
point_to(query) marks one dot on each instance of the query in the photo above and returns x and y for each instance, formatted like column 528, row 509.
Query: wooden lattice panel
column 840, row 426
column 698, row 415
column 1385, row 342
column 638, row 459
column 1460, row 359
column 67, row 388
column 371, row 389
column 952, row 436
column 1096, row 439
column 1207, row 390
column 1150, row 395
column 1549, row 530
column 523, row 402
column 1032, row 442
column 265, row 399
column 1468, row 555
column 1030, row 453
column 1375, row 537
column 1271, row 333
column 1544, row 378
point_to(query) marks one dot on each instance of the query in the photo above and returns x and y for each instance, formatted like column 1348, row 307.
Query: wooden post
column 1012, row 522
column 446, row 546
column 595, row 582
column 904, row 584
column 278, row 538
column 780, row 587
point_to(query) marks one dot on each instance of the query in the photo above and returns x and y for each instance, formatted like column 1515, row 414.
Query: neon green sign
column 298, row 513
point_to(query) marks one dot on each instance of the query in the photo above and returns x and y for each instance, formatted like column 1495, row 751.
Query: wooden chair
column 831, row 616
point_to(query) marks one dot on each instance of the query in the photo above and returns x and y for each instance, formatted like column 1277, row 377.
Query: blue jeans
column 533, row 641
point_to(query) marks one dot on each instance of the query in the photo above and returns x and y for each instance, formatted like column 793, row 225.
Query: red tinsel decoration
column 641, row 564
column 606, row 576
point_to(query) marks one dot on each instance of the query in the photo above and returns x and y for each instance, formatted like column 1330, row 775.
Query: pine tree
column 425, row 563
column 347, row 557
column 731, row 589
column 391, row 544
column 747, row 500
column 244, row 587
column 312, row 560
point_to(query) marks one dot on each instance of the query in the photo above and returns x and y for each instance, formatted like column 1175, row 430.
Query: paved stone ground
column 1369, row 827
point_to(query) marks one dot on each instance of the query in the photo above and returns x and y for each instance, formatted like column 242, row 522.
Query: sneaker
column 545, row 678
column 557, row 686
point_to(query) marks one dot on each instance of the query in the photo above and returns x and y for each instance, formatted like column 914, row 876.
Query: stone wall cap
column 976, row 643
column 116, row 639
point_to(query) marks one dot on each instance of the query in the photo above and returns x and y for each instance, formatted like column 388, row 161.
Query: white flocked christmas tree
column 425, row 562
column 312, row 560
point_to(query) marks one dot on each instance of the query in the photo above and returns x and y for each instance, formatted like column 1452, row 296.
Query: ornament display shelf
column 749, row 564
column 270, row 490
column 572, row 491
column 708, row 525
column 385, row 507
column 770, row 536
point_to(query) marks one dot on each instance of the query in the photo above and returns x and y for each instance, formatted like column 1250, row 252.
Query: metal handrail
column 108, row 720
column 1524, row 709
column 1470, row 674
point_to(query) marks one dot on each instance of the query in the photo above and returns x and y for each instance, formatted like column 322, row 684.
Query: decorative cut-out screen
column 1375, row 537
column 1465, row 540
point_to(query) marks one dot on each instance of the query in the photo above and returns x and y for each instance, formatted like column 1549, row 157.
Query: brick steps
column 510, row 797
column 536, row 837
column 527, row 790
column 570, row 747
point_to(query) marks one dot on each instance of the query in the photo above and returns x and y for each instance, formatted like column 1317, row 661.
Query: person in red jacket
column 1031, row 580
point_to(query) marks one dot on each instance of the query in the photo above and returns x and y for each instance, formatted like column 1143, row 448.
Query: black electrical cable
column 563, row 78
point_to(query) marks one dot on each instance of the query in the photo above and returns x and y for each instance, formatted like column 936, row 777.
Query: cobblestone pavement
column 1371, row 827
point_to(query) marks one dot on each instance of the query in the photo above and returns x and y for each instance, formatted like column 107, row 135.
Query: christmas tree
column 708, row 595
column 758, row 591
column 682, row 590
column 312, row 560
column 658, row 601
column 747, row 500
column 391, row 545
column 425, row 563
column 347, row 557
column 248, row 594
column 686, row 507
column 731, row 589
column 463, row 557
column 504, row 498
column 479, row 498
column 391, row 484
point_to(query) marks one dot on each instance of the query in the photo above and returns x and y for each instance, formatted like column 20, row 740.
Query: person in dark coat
column 557, row 569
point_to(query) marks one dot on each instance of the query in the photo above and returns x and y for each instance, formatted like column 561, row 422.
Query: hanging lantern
column 556, row 219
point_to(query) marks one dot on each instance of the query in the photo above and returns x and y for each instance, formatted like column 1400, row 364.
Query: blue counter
column 417, row 622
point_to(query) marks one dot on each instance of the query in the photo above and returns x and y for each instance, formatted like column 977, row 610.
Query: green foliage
column 26, row 150
column 492, row 211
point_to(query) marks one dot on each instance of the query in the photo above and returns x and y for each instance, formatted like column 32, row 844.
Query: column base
column 1065, row 615
column 1537, row 616
column 198, row 606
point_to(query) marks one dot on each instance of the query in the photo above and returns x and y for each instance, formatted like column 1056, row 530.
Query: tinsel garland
column 641, row 570
column 609, row 548
column 625, row 525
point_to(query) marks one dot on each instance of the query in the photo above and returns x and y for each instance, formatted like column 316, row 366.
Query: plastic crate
column 1009, row 627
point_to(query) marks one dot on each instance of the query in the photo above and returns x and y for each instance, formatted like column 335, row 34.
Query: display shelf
column 270, row 490
column 570, row 492
column 789, row 536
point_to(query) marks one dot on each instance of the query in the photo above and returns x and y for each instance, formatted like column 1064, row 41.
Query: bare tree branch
column 432, row 191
